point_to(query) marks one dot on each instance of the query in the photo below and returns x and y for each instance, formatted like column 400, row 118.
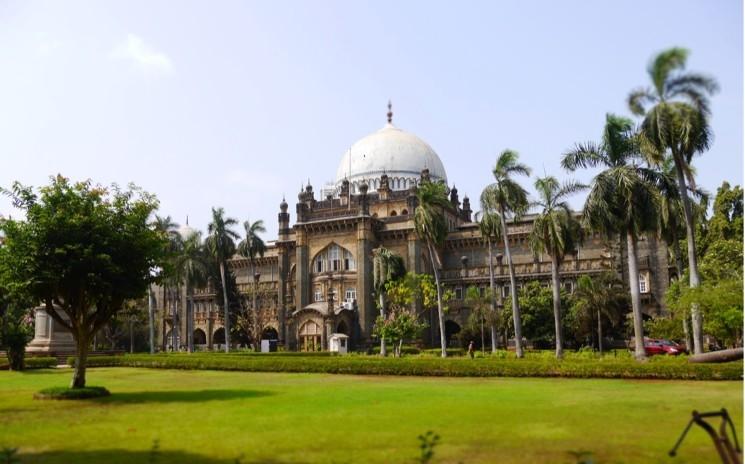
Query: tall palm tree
column 431, row 227
column 491, row 232
column 601, row 295
column 251, row 247
column 165, row 226
column 387, row 267
column 221, row 245
column 555, row 232
column 678, row 123
column 191, row 269
column 506, row 196
column 622, row 199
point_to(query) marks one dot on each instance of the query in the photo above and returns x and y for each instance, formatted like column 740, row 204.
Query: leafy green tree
column 16, row 319
column 556, row 232
column 536, row 305
column 165, row 275
column 481, row 313
column 491, row 232
column 387, row 267
column 622, row 200
column 505, row 196
column 83, row 249
column 677, row 123
column 431, row 227
column 221, row 244
column 399, row 325
column 597, row 299
column 251, row 247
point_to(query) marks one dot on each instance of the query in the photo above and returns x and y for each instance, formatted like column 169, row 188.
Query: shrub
column 607, row 367
column 64, row 393
column 32, row 363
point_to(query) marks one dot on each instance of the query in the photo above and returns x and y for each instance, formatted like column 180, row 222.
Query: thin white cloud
column 47, row 47
column 142, row 56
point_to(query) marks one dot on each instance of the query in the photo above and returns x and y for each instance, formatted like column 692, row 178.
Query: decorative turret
column 344, row 192
column 465, row 212
column 425, row 175
column 284, row 220
column 364, row 205
column 384, row 188
column 454, row 197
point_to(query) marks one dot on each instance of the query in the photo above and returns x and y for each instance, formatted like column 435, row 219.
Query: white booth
column 339, row 343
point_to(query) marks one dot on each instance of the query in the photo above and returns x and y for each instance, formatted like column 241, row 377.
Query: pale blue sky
column 235, row 103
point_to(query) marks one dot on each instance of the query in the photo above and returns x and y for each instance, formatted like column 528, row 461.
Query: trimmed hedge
column 64, row 393
column 31, row 363
column 422, row 366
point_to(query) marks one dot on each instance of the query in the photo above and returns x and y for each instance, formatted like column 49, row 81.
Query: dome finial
column 390, row 112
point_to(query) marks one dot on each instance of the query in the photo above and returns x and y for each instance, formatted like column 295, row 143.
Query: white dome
column 400, row 155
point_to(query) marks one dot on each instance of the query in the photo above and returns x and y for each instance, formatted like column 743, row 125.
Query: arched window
column 393, row 213
column 310, row 336
column 334, row 258
column 404, row 212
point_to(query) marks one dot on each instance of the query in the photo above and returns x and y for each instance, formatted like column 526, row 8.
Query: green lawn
column 215, row 417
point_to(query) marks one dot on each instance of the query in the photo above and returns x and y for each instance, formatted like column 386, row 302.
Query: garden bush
column 64, row 393
column 607, row 367
column 31, row 363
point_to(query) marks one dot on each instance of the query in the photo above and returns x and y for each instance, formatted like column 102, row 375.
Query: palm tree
column 506, row 196
column 489, row 225
column 555, row 232
column 221, row 245
column 191, row 268
column 167, row 227
column 431, row 227
column 622, row 199
column 601, row 295
column 251, row 247
column 677, row 122
column 387, row 267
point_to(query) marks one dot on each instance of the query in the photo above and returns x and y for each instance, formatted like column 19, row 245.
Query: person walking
column 470, row 349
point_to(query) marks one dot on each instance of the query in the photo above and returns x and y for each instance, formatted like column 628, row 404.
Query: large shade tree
column 252, row 247
column 84, row 250
column 676, row 122
column 623, row 199
column 507, row 197
column 221, row 245
column 431, row 227
column 598, row 298
column 556, row 232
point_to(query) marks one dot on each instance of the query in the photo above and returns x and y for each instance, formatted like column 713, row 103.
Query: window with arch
column 643, row 283
column 334, row 258
column 404, row 212
column 394, row 213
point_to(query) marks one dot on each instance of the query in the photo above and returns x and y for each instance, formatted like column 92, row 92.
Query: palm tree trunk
column 679, row 267
column 555, row 290
column 636, row 302
column 600, row 334
column 694, row 279
column 131, row 335
column 513, row 290
column 257, row 325
column 493, row 307
column 174, row 324
column 190, row 318
column 226, row 310
column 440, row 312
column 151, row 320
column 383, row 351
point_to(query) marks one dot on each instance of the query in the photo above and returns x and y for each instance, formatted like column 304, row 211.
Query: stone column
column 302, row 285
column 283, row 218
column 365, row 305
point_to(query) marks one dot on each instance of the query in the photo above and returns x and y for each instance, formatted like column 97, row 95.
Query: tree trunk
column 150, row 320
column 694, row 279
column 190, row 319
column 174, row 324
column 440, row 312
column 513, row 290
column 555, row 290
column 687, row 334
column 131, row 335
column 636, row 302
column 226, row 309
column 257, row 322
column 383, row 351
column 16, row 357
column 492, row 302
column 78, row 376
column 482, row 336
column 600, row 334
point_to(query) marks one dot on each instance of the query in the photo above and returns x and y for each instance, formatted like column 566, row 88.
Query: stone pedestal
column 50, row 338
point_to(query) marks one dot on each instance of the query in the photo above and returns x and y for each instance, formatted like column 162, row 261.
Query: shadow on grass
column 180, row 396
column 121, row 456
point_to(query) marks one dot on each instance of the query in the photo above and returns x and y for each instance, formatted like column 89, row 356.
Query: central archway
column 451, row 330
column 200, row 338
column 269, row 333
column 219, row 336
column 310, row 336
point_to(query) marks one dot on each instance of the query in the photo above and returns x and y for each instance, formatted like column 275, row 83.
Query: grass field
column 208, row 417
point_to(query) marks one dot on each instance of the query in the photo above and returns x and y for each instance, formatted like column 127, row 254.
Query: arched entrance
column 200, row 338
column 451, row 329
column 219, row 336
column 310, row 336
column 343, row 328
column 269, row 333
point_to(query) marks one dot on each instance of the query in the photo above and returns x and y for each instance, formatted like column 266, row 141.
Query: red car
column 653, row 346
